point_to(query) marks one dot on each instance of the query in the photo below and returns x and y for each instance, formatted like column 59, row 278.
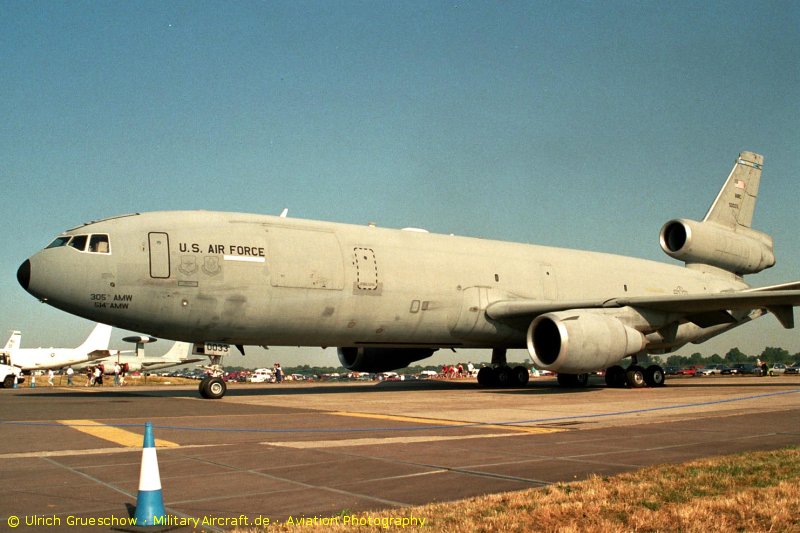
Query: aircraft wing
column 97, row 354
column 147, row 364
column 777, row 299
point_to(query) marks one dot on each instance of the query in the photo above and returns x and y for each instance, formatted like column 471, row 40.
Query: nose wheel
column 212, row 388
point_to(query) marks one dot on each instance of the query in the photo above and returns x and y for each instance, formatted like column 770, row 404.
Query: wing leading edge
column 778, row 299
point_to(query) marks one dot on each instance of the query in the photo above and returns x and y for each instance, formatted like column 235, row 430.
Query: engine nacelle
column 380, row 359
column 574, row 342
column 745, row 251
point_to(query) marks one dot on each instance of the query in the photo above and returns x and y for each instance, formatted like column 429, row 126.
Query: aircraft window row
column 96, row 243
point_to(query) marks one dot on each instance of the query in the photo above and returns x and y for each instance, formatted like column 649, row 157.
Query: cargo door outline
column 159, row 255
column 366, row 266
column 549, row 282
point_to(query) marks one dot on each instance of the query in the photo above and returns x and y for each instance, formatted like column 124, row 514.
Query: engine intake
column 574, row 342
column 380, row 359
column 744, row 251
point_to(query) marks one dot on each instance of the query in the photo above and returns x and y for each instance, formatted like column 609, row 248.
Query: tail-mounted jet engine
column 575, row 342
column 744, row 251
column 380, row 359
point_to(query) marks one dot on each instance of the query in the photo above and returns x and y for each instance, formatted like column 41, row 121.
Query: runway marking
column 95, row 451
column 442, row 422
column 303, row 444
column 116, row 435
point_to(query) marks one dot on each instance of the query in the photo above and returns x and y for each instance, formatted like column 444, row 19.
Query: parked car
column 793, row 369
column 743, row 369
column 672, row 370
column 710, row 370
column 262, row 375
column 691, row 371
column 776, row 369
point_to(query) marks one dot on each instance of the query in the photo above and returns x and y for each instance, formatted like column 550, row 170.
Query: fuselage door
column 159, row 255
column 549, row 283
column 366, row 269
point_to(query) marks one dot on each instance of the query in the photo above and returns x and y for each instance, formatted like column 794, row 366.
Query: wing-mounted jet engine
column 580, row 341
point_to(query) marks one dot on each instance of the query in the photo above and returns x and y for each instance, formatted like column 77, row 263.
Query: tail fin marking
column 736, row 201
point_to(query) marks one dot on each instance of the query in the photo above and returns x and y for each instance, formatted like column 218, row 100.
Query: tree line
column 769, row 355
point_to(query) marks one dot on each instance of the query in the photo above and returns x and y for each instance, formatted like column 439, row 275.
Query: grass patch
column 757, row 491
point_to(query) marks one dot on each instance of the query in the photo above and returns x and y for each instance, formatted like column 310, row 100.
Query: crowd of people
column 457, row 371
column 94, row 376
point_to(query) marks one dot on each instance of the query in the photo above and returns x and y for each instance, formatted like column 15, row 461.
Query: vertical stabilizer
column 736, row 201
column 13, row 342
column 98, row 339
column 178, row 351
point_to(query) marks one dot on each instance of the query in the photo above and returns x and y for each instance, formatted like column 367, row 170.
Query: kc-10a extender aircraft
column 387, row 298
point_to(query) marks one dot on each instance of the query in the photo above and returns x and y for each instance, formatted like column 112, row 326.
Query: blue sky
column 577, row 124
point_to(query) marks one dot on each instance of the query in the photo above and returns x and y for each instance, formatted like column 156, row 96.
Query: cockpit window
column 78, row 242
column 98, row 243
column 59, row 241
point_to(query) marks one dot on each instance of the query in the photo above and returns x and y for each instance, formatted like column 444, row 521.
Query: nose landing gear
column 212, row 386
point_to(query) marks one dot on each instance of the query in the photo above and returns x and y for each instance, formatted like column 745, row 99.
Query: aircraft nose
column 24, row 274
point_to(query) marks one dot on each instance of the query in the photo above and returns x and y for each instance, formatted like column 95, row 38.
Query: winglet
column 736, row 200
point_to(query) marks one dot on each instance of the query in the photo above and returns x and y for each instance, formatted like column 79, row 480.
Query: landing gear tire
column 487, row 377
column 654, row 376
column 521, row 376
column 215, row 389
column 615, row 377
column 635, row 377
column 203, row 387
column 505, row 377
column 212, row 388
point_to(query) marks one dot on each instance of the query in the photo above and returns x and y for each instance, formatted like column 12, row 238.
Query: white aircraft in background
column 177, row 355
column 94, row 347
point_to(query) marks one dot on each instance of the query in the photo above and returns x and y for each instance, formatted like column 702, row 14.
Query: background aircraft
column 389, row 297
column 178, row 354
column 95, row 346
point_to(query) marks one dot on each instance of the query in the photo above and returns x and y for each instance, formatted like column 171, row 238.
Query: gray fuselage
column 261, row 280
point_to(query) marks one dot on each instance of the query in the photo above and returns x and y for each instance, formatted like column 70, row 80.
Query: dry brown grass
column 108, row 381
column 749, row 492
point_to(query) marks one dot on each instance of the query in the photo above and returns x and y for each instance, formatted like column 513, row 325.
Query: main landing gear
column 502, row 375
column 635, row 376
